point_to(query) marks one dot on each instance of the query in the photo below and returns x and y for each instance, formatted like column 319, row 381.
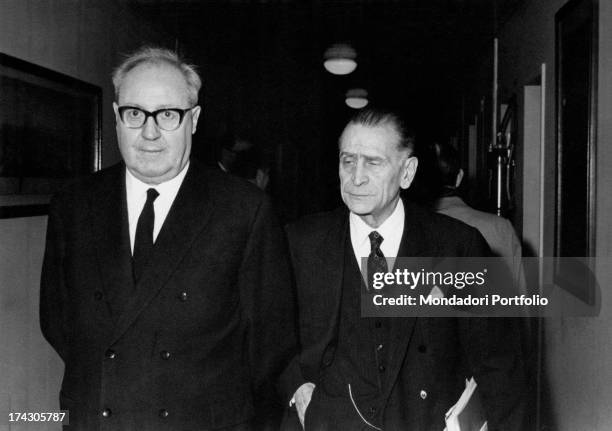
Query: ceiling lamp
column 356, row 98
column 340, row 59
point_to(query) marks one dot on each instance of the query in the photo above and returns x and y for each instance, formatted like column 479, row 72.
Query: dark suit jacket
column 436, row 353
column 199, row 341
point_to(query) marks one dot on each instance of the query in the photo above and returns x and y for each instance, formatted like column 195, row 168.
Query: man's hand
column 302, row 398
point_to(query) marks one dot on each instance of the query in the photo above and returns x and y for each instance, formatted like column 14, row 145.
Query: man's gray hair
column 155, row 56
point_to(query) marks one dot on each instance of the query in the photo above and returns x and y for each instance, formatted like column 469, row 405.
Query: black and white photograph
column 305, row 215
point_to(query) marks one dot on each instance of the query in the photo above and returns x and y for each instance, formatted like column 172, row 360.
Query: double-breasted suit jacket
column 198, row 342
column 429, row 357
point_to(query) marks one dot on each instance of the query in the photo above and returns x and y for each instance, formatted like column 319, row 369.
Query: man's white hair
column 155, row 55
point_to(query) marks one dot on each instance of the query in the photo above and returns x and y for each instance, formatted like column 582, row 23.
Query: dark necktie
column 143, row 242
column 376, row 259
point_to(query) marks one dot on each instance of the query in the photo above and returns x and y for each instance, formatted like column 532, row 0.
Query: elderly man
column 165, row 286
column 387, row 373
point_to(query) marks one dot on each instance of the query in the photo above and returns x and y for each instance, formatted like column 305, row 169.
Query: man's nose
column 359, row 175
column 150, row 130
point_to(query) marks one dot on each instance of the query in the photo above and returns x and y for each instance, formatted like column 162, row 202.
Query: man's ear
column 195, row 113
column 409, row 168
column 459, row 178
column 116, row 109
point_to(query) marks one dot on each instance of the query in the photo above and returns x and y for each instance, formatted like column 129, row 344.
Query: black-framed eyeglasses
column 166, row 119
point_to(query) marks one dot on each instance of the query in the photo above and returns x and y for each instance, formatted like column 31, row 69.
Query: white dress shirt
column 391, row 230
column 137, row 197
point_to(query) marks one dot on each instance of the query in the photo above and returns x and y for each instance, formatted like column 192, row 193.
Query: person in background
column 497, row 231
column 240, row 156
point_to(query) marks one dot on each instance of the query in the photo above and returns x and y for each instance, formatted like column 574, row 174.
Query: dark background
column 262, row 67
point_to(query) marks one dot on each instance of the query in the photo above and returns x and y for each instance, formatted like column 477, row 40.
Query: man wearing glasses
column 165, row 286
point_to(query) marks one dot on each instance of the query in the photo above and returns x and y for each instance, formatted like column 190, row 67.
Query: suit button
column 183, row 296
column 422, row 348
column 380, row 347
column 164, row 354
column 381, row 368
column 163, row 413
column 98, row 295
column 110, row 354
column 423, row 394
column 107, row 413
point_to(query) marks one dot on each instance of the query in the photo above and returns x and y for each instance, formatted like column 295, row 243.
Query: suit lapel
column 108, row 214
column 413, row 244
column 330, row 254
column 188, row 215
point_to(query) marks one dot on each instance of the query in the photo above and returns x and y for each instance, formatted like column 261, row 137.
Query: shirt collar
column 390, row 228
column 138, row 188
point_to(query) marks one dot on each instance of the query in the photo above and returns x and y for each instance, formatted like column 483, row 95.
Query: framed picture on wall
column 50, row 133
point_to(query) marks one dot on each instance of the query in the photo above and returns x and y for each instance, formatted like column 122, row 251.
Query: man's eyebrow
column 367, row 158
column 131, row 105
column 157, row 108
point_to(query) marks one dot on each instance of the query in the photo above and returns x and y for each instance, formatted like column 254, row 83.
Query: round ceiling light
column 340, row 59
column 356, row 98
